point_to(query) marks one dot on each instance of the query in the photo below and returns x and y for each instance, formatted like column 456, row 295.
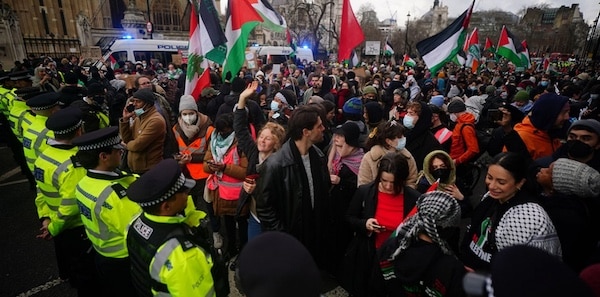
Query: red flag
column 488, row 44
column 433, row 186
column 351, row 34
column 473, row 51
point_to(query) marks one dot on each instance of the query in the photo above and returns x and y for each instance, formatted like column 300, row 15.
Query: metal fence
column 53, row 47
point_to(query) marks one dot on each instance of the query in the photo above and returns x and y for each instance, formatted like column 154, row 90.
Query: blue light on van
column 305, row 46
column 127, row 37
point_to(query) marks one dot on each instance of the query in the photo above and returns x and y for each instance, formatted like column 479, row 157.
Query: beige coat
column 145, row 140
column 368, row 166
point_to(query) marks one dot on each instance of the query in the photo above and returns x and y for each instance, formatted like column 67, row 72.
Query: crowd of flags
column 208, row 41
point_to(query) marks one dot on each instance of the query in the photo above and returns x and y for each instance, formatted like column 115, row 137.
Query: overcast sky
column 386, row 8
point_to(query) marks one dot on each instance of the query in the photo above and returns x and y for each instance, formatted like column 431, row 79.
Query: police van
column 146, row 49
column 280, row 54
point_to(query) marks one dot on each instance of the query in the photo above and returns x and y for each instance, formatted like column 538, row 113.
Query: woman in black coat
column 360, row 274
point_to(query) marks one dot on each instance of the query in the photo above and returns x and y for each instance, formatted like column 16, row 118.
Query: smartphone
column 130, row 108
column 495, row 115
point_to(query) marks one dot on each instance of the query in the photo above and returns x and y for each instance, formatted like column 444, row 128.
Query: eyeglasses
column 145, row 83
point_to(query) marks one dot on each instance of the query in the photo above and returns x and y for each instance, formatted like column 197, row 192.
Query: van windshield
column 163, row 57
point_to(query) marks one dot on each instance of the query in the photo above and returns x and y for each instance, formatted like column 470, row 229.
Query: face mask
column 274, row 106
column 453, row 117
column 401, row 143
column 441, row 173
column 473, row 88
column 139, row 112
column 386, row 84
column 408, row 122
column 376, row 86
column 578, row 149
column 544, row 83
column 504, row 95
column 189, row 119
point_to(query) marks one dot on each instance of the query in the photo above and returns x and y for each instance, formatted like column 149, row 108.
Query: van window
column 120, row 56
column 164, row 57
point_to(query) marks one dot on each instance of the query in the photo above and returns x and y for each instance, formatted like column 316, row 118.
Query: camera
column 130, row 108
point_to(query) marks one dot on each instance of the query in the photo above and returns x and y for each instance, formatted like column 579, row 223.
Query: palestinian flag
column 241, row 19
column 353, row 61
column 291, row 42
column 489, row 46
column 510, row 47
column 525, row 61
column 207, row 42
column 351, row 34
column 389, row 51
column 408, row 61
column 443, row 47
column 272, row 20
column 473, row 51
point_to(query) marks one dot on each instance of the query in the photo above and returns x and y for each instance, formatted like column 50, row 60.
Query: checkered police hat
column 65, row 120
column 159, row 184
column 105, row 137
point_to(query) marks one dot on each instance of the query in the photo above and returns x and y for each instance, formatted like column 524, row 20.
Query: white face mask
column 189, row 119
column 453, row 117
column 408, row 122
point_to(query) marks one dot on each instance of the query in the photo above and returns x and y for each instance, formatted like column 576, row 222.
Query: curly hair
column 386, row 130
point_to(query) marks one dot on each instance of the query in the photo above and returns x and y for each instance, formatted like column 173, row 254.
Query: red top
column 389, row 214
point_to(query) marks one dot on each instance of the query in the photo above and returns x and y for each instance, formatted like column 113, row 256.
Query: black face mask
column 578, row 150
column 441, row 173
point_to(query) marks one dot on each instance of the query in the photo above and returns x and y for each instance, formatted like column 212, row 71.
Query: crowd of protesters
column 370, row 169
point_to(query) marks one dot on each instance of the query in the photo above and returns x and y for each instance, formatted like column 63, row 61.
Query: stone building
column 64, row 27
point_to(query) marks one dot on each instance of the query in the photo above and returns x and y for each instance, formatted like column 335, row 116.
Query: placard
column 372, row 48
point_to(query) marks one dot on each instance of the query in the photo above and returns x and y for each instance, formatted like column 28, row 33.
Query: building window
column 166, row 15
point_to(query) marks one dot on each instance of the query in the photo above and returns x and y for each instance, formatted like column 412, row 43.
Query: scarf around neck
column 220, row 145
column 352, row 161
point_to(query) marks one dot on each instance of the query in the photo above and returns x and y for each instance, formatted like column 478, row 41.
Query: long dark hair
column 396, row 164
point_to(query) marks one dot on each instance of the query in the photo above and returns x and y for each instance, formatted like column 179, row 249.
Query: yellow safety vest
column 19, row 118
column 106, row 211
column 6, row 96
column 56, row 178
column 34, row 139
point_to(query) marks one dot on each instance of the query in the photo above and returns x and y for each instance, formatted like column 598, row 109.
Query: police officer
column 35, row 137
column 57, row 175
column 167, row 259
column 104, row 207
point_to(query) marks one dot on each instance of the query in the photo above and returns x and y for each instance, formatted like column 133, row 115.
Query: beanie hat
column 374, row 111
column 353, row 106
column 282, row 98
column 145, row 95
column 351, row 133
column 522, row 96
column 546, row 109
column 490, row 90
column 369, row 90
column 259, row 73
column 265, row 267
column 238, row 85
column 456, row 105
column 572, row 177
column 437, row 100
column 187, row 102
column 527, row 224
column 592, row 124
column 527, row 271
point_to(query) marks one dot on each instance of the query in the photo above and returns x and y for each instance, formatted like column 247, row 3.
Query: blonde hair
column 278, row 132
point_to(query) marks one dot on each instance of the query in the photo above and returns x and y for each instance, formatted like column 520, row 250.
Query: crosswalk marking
column 40, row 288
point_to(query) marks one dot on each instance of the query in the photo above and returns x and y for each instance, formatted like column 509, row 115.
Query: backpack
column 483, row 139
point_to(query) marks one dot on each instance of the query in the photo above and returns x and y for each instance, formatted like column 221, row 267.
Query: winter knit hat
column 276, row 264
column 527, row 224
column 456, row 105
column 369, row 90
column 145, row 95
column 437, row 100
column 522, row 96
column 571, row 177
column 592, row 124
column 187, row 102
column 546, row 109
column 353, row 106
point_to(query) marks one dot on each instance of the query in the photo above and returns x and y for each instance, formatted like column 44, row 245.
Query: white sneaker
column 217, row 240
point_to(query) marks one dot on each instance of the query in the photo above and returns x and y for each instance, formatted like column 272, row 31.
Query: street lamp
column 406, row 49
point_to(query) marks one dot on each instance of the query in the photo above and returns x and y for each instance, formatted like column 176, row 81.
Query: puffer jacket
column 144, row 140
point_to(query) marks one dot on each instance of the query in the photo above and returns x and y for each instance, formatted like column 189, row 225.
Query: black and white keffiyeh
column 528, row 224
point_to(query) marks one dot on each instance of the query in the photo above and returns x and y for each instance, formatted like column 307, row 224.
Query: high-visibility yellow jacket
column 106, row 211
column 19, row 117
column 34, row 139
column 56, row 177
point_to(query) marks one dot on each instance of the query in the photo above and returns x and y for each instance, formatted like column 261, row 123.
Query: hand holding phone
column 130, row 108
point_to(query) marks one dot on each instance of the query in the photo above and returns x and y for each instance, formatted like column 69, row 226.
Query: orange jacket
column 538, row 142
column 464, row 140
column 197, row 147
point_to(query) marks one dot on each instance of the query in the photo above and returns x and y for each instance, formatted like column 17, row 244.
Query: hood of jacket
column 427, row 173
